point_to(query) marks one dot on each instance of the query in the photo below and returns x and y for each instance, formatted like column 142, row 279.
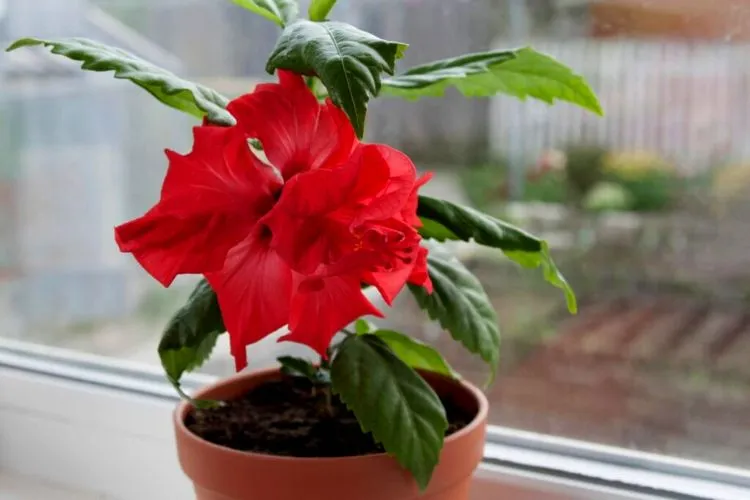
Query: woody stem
column 329, row 405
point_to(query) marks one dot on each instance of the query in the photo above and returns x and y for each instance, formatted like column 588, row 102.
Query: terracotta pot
column 220, row 473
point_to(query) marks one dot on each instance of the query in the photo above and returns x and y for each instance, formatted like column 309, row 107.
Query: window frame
column 126, row 406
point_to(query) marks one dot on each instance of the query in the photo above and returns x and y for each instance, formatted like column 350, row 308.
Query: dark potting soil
column 290, row 417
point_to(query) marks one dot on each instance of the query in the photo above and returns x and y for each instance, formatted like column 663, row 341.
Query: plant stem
column 329, row 404
column 325, row 362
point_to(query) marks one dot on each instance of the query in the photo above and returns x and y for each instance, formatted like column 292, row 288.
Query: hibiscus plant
column 290, row 217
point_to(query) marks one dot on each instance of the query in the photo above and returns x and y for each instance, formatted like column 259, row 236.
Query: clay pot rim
column 180, row 413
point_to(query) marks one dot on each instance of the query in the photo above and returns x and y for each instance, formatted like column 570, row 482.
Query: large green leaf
column 444, row 221
column 450, row 221
column 319, row 9
column 391, row 401
column 461, row 306
column 168, row 88
column 415, row 353
column 282, row 12
column 347, row 60
column 520, row 73
column 191, row 334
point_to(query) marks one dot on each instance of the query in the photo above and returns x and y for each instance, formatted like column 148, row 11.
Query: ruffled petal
column 254, row 291
column 166, row 245
column 297, row 132
column 419, row 274
column 311, row 221
column 322, row 306
column 409, row 211
column 209, row 202
column 389, row 283
column 396, row 246
column 390, row 199
column 220, row 174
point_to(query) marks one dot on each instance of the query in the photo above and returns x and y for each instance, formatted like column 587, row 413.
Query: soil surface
column 290, row 417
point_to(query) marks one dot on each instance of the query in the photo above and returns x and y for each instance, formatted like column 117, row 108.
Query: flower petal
column 219, row 174
column 322, row 306
column 409, row 211
column 312, row 219
column 398, row 254
column 419, row 275
column 209, row 202
column 389, row 283
column 392, row 197
column 254, row 291
column 166, row 245
column 297, row 132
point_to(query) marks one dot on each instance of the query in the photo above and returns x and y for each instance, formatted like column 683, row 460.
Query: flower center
column 394, row 247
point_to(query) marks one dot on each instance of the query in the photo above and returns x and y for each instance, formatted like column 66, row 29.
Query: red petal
column 307, row 244
column 409, row 212
column 419, row 275
column 312, row 219
column 389, row 284
column 219, row 174
column 166, row 245
column 400, row 261
column 296, row 131
column 209, row 202
column 391, row 197
column 254, row 292
column 321, row 307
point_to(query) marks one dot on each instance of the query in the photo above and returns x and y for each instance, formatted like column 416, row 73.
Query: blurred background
column 646, row 210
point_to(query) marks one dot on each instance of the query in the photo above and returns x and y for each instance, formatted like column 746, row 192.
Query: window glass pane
column 645, row 209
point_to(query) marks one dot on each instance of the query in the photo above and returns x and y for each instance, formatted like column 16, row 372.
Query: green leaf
column 362, row 326
column 450, row 221
column 444, row 221
column 319, row 9
column 347, row 60
column 168, row 88
column 434, row 230
column 298, row 367
column 461, row 306
column 391, row 401
column 550, row 271
column 520, row 73
column 191, row 334
column 282, row 12
column 415, row 353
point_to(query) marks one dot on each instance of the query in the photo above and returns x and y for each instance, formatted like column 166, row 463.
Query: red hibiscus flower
column 288, row 243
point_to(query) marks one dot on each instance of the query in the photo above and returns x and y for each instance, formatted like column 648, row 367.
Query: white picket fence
column 688, row 101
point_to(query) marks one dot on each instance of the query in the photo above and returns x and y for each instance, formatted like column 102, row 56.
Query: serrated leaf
column 281, row 12
column 445, row 221
column 520, row 73
column 415, row 353
column 191, row 334
column 461, row 306
column 168, row 88
column 391, row 401
column 347, row 60
column 319, row 9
